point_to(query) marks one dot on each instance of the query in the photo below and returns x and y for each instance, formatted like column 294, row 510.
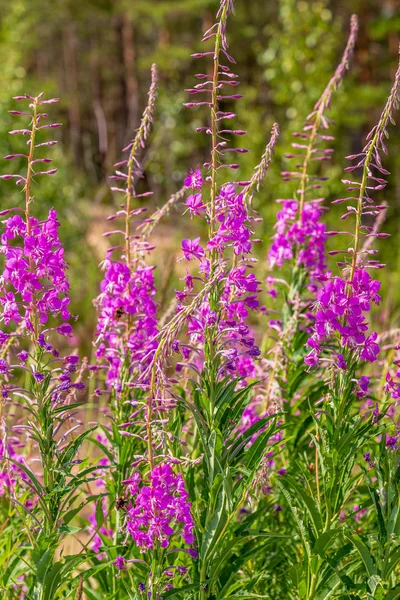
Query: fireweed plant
column 238, row 450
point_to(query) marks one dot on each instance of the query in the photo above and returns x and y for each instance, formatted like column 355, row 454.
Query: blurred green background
column 96, row 56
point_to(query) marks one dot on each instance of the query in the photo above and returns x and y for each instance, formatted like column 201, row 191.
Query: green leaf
column 103, row 448
column 298, row 518
column 391, row 562
column 218, row 509
column 71, row 450
column 99, row 513
column 52, row 581
column 257, row 449
column 324, row 540
column 68, row 529
column 393, row 594
column 70, row 514
column 176, row 592
column 364, row 553
column 309, row 503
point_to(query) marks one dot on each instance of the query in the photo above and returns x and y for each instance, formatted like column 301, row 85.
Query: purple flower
column 311, row 359
column 160, row 510
column 367, row 457
column 23, row 356
column 133, row 483
column 194, row 179
column 391, row 442
column 182, row 570
column 391, row 387
column 34, row 278
column 363, row 385
column 304, row 238
column 120, row 563
column 4, row 367
column 371, row 348
column 195, row 204
column 126, row 296
column 341, row 363
column 232, row 233
column 65, row 329
column 339, row 310
column 192, row 249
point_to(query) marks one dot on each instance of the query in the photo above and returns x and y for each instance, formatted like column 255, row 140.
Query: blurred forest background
column 96, row 56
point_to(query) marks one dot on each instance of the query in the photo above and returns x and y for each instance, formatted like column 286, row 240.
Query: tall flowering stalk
column 301, row 235
column 299, row 240
column 339, row 339
column 221, row 349
column 343, row 300
column 128, row 285
column 221, row 319
column 212, row 308
column 149, row 499
column 34, row 298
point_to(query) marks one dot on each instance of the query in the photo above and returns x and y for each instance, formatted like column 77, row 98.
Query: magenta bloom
column 340, row 308
column 34, row 280
column 307, row 237
column 362, row 387
column 160, row 510
column 10, row 473
column 195, row 204
column 125, row 296
column 233, row 234
column 371, row 348
column 391, row 387
column 120, row 563
column 192, row 249
column 194, row 179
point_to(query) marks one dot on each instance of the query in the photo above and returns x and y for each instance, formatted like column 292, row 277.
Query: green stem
column 313, row 586
column 364, row 182
column 29, row 173
column 214, row 127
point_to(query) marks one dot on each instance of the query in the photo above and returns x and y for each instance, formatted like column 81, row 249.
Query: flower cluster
column 127, row 310
column 159, row 510
column 230, row 220
column 300, row 239
column 340, row 307
column 10, row 473
column 239, row 288
column 34, row 284
column 233, row 223
column 300, row 234
column 127, row 317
